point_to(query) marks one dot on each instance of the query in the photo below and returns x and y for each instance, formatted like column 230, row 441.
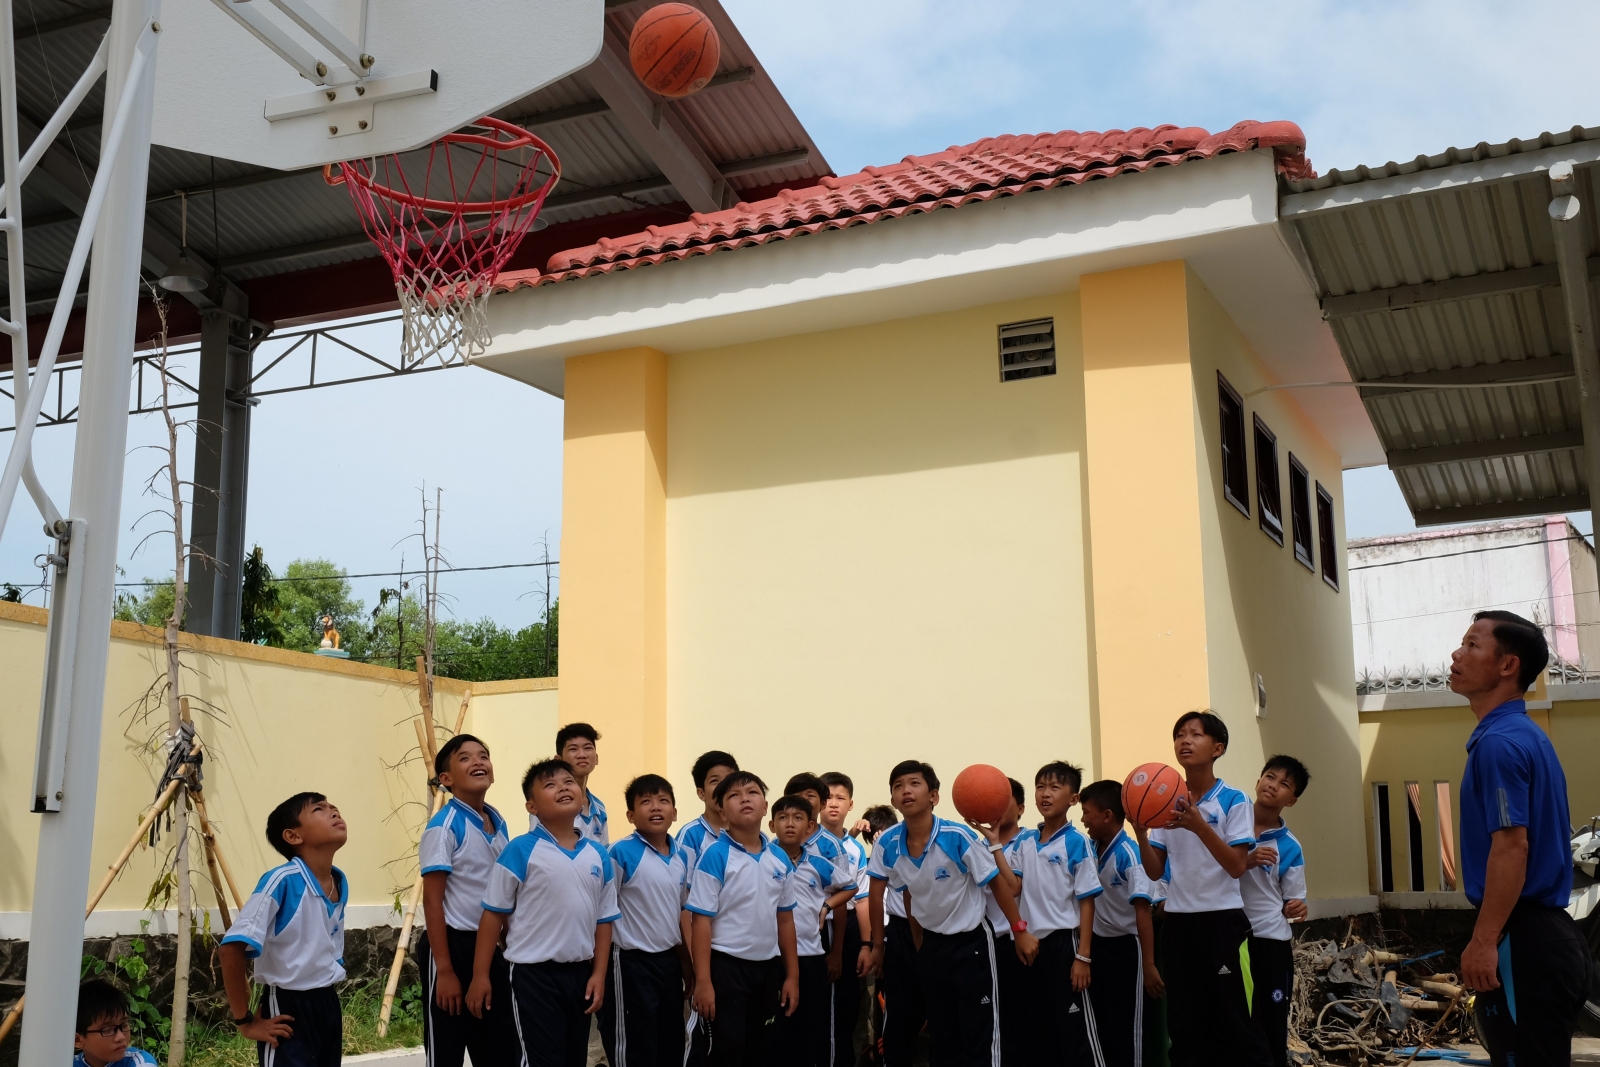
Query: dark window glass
column 1380, row 818
column 1300, row 510
column 1269, row 496
column 1235, row 471
column 1325, row 545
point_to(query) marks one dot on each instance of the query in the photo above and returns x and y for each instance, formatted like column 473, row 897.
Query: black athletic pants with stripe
column 1011, row 975
column 1544, row 977
column 805, row 1039
column 1116, row 990
column 446, row 1037
column 747, row 1000
column 1072, row 1040
column 548, row 1007
column 318, row 1039
column 1272, row 971
column 900, row 986
column 963, row 999
column 1205, row 960
column 846, row 994
column 641, row 1019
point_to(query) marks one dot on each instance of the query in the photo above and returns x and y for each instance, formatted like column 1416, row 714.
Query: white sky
column 336, row 472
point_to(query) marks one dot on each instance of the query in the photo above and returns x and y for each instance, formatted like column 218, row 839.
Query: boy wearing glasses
column 101, row 1034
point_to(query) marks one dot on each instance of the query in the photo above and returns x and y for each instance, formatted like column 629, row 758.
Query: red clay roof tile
column 985, row 170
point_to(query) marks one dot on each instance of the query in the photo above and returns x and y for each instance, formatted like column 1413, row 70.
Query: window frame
column 1300, row 512
column 1269, row 485
column 1327, row 543
column 1227, row 394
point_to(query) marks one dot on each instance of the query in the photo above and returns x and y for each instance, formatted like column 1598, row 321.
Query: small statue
column 330, row 636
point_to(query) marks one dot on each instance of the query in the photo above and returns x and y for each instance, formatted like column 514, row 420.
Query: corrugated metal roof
column 1479, row 448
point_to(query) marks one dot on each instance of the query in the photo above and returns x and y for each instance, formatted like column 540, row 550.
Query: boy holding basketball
column 1205, row 939
column 1274, row 891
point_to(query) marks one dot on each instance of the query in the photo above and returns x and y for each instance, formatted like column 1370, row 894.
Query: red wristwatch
column 1020, row 926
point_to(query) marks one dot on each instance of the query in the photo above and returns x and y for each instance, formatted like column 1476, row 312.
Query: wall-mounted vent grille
column 1027, row 349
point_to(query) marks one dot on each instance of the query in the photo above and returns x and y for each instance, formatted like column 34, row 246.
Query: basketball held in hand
column 674, row 50
column 1150, row 795
column 982, row 793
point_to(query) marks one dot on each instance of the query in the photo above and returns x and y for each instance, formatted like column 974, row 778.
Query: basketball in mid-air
column 1150, row 794
column 982, row 793
column 674, row 49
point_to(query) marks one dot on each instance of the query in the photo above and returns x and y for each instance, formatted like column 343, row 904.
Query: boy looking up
column 1124, row 965
column 458, row 850
column 293, row 927
column 856, row 945
column 804, row 1038
column 576, row 744
column 1274, row 892
column 553, row 893
column 101, row 1033
column 943, row 868
column 641, row 1022
column 1059, row 887
column 1205, row 939
column 708, row 772
column 831, row 913
column 745, row 965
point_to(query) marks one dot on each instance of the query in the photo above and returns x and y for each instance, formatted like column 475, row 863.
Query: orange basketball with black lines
column 674, row 50
column 1150, row 794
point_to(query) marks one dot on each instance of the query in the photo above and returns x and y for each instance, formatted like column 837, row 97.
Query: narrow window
column 1330, row 564
column 1414, row 834
column 1235, row 471
column 1300, row 511
column 1380, row 836
column 1269, row 498
column 1447, row 838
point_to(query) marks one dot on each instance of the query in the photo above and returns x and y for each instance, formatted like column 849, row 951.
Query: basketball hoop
column 449, row 226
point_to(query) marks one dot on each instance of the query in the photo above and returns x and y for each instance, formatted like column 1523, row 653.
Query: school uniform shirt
column 1057, row 873
column 1266, row 888
column 649, row 894
column 823, row 870
column 455, row 842
column 856, row 852
column 693, row 841
column 1124, row 880
column 1198, row 881
column 292, row 930
column 554, row 898
column 742, row 892
column 946, row 881
column 591, row 823
column 134, row 1057
column 991, row 906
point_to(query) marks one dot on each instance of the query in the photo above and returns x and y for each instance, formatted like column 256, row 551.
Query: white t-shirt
column 292, row 930
column 946, row 881
column 454, row 842
column 1266, row 888
column 1124, row 880
column 592, row 823
column 742, row 892
column 823, row 870
column 1056, row 875
column 1198, row 881
column 553, row 899
column 693, row 841
column 649, row 894
column 991, row 907
column 857, row 855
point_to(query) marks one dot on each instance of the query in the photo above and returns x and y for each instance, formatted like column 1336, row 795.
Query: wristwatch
column 249, row 1017
column 1020, row 926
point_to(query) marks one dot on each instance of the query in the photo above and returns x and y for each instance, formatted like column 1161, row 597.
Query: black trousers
column 318, row 1038
column 641, row 1019
column 1012, row 977
column 1205, row 959
column 1272, row 969
column 1544, row 979
column 963, row 999
column 548, row 1008
column 1073, row 1037
column 846, row 995
column 900, row 987
column 747, row 1000
column 1116, row 990
column 446, row 1037
column 805, row 1039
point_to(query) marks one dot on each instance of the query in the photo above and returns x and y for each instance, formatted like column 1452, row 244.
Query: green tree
column 311, row 588
column 151, row 607
column 260, row 606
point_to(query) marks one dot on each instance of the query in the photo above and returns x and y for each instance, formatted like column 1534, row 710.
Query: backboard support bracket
column 348, row 108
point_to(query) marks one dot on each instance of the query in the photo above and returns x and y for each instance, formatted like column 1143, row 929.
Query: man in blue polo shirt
column 1527, row 960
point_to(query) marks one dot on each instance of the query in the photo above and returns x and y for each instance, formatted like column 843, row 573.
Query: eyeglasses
column 110, row 1032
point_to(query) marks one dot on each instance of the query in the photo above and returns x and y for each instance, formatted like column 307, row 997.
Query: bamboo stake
column 211, row 837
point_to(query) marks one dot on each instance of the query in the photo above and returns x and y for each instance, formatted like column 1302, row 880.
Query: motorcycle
column 1585, row 910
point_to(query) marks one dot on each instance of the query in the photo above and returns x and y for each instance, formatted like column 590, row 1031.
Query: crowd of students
column 749, row 937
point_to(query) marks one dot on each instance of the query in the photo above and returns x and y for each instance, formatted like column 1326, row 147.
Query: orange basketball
column 674, row 49
column 1150, row 794
column 982, row 793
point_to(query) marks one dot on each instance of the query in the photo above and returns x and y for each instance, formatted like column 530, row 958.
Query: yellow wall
column 284, row 722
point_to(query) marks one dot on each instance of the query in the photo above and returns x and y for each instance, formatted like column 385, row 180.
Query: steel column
column 221, row 476
column 1571, row 256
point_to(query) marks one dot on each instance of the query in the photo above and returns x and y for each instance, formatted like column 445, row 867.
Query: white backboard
column 434, row 66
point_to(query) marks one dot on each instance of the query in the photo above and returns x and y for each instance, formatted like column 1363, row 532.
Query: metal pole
column 61, row 879
column 1571, row 258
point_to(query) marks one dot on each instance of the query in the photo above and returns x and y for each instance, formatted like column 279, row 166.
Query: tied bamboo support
column 425, row 742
